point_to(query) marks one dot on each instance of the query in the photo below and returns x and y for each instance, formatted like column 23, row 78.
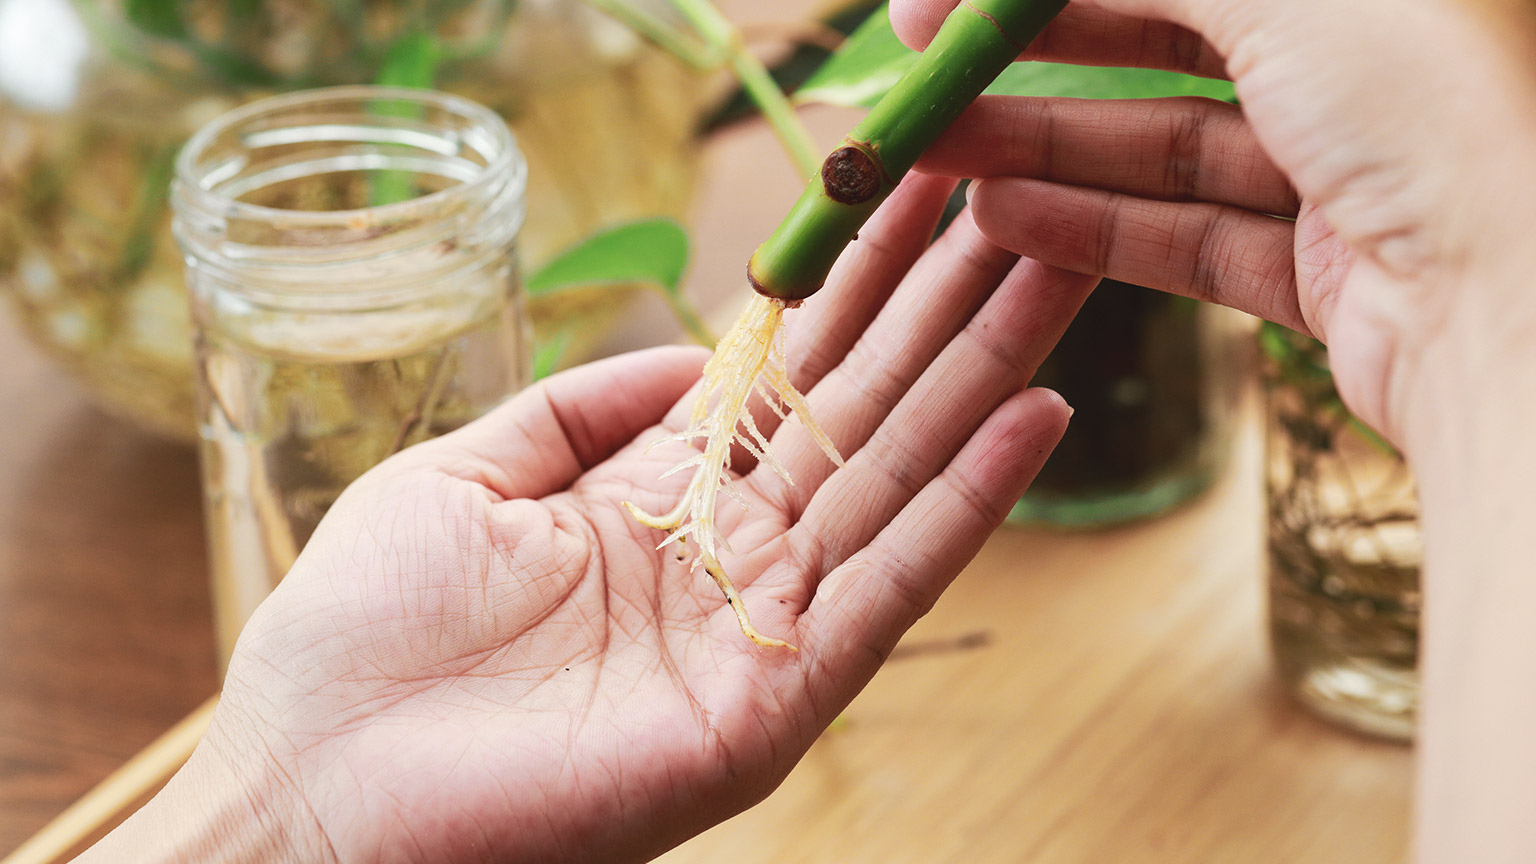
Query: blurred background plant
column 97, row 97
column 1344, row 548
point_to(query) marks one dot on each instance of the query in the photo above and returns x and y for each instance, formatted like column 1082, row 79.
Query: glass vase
column 350, row 258
column 1344, row 549
column 1152, row 381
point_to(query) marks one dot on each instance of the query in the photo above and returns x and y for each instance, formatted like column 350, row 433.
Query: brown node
column 850, row 176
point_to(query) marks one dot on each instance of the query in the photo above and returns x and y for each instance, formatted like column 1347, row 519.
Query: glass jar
column 1344, row 549
column 350, row 258
column 1152, row 383
column 96, row 96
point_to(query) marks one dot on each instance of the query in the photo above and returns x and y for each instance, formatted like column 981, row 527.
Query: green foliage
column 546, row 356
column 158, row 17
column 799, row 65
column 159, row 166
column 411, row 62
column 650, row 251
column 873, row 59
column 1300, row 360
column 1301, row 363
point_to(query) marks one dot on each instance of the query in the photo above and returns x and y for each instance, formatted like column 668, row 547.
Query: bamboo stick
column 149, row 768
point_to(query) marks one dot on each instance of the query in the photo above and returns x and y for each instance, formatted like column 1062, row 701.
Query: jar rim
column 507, row 165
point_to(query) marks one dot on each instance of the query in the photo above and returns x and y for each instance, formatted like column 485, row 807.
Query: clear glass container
column 1152, row 381
column 354, row 290
column 1344, row 549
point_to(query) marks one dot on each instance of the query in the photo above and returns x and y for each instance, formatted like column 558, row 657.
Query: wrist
column 228, row 803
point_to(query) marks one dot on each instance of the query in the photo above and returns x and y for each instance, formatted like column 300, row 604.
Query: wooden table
column 106, row 637
column 1121, row 708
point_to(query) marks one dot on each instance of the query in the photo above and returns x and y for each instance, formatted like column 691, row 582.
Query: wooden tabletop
column 1084, row 697
column 1119, row 708
column 106, row 637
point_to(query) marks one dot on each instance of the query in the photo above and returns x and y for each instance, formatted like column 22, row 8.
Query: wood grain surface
column 106, row 638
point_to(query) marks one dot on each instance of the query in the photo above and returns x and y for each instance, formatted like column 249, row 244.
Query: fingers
column 864, row 277
column 545, row 437
column 1084, row 35
column 1172, row 149
column 990, row 361
column 861, row 609
column 821, row 332
column 1205, row 251
column 940, row 293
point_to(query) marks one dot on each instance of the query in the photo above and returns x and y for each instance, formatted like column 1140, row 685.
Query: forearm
column 1472, row 452
column 215, row 810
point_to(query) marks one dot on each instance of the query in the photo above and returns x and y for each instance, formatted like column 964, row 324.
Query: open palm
column 481, row 656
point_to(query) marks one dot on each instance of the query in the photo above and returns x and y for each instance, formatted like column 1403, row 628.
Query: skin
column 480, row 657
column 1401, row 138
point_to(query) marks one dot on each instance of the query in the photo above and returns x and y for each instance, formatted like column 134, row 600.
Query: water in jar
column 1344, row 553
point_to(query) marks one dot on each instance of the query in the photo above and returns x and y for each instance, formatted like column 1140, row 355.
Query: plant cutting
column 975, row 44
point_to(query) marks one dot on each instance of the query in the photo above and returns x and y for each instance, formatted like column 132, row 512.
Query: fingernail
column 970, row 191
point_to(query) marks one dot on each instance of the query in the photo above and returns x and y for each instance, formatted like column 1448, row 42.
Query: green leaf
column 653, row 251
column 1299, row 358
column 872, row 60
column 158, row 17
column 799, row 65
column 1100, row 82
column 546, row 356
column 411, row 62
column 867, row 65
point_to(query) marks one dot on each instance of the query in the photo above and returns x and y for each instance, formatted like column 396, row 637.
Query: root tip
column 646, row 519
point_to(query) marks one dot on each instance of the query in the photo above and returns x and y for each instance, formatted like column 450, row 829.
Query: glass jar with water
column 350, row 259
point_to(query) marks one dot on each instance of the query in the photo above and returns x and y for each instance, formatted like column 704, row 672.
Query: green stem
column 689, row 317
column 666, row 37
column 975, row 44
column 721, row 35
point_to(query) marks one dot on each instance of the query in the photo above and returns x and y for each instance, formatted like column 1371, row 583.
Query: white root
column 749, row 359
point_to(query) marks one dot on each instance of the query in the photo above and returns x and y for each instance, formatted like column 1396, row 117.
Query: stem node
column 850, row 176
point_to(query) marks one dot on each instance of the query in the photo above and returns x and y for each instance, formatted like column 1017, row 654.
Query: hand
column 481, row 656
column 1394, row 134
column 1402, row 138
